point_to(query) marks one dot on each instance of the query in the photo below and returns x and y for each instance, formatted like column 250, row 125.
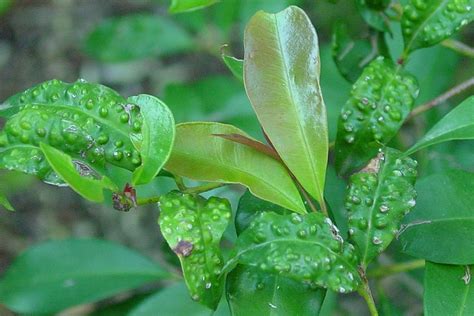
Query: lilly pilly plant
column 289, row 251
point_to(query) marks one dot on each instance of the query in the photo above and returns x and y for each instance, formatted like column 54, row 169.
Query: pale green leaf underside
column 178, row 6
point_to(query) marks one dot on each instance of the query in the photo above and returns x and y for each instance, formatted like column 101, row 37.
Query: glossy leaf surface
column 456, row 125
column 89, row 122
column 157, row 137
column 426, row 23
column 380, row 101
column 253, row 292
column 441, row 227
column 378, row 198
column 55, row 275
column 85, row 181
column 305, row 248
column 193, row 228
column 136, row 36
column 281, row 73
column 449, row 290
column 178, row 6
column 199, row 155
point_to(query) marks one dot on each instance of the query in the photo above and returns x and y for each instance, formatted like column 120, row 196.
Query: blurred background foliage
column 137, row 46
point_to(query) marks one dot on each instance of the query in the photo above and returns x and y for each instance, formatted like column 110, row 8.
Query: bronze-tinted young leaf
column 89, row 122
column 380, row 101
column 305, row 248
column 377, row 199
column 193, row 227
column 199, row 154
column 281, row 74
column 428, row 22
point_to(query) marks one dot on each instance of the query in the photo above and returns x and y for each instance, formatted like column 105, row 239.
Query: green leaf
column 304, row 248
column 253, row 292
column 5, row 203
column 426, row 23
column 377, row 4
column 89, row 122
column 449, row 290
column 456, row 125
column 55, row 275
column 281, row 73
column 380, row 101
column 81, row 180
column 158, row 136
column 170, row 301
column 136, row 36
column 5, row 6
column 178, row 6
column 376, row 18
column 350, row 56
column 193, row 228
column 441, row 227
column 235, row 65
column 199, row 155
column 377, row 199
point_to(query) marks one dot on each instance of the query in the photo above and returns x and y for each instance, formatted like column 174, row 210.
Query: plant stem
column 203, row 188
column 179, row 182
column 387, row 270
column 366, row 293
column 440, row 99
column 459, row 47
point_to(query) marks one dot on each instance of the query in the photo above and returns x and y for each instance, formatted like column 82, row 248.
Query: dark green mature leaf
column 253, row 292
column 456, row 125
column 5, row 6
column 5, row 203
column 84, row 181
column 377, row 199
column 441, row 227
column 350, row 56
column 281, row 73
column 380, row 101
column 178, row 6
column 157, row 137
column 426, row 23
column 235, row 65
column 377, row 4
column 199, row 154
column 89, row 122
column 449, row 290
column 193, row 228
column 375, row 17
column 304, row 248
column 136, row 36
column 56, row 275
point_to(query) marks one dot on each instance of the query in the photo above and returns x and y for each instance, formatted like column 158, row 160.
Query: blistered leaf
column 253, row 292
column 193, row 227
column 178, row 6
column 441, row 227
column 305, row 248
column 201, row 155
column 5, row 203
column 55, row 275
column 380, row 101
column 136, row 36
column 89, row 122
column 377, row 199
column 157, row 137
column 428, row 22
column 448, row 290
column 456, row 125
column 281, row 73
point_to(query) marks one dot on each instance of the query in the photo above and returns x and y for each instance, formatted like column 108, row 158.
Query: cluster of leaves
column 288, row 236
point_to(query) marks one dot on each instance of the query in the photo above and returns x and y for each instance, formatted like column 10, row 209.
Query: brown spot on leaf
column 183, row 248
column 374, row 165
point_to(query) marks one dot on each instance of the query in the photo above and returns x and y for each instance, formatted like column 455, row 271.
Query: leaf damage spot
column 467, row 275
column 183, row 248
column 404, row 227
column 374, row 164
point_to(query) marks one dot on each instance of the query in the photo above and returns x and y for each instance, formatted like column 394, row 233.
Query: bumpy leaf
column 456, row 125
column 5, row 203
column 89, row 122
column 281, row 73
column 86, row 182
column 304, row 248
column 178, row 6
column 157, row 137
column 377, row 199
column 449, row 290
column 193, row 227
column 428, row 22
column 441, row 227
column 199, row 154
column 253, row 292
column 380, row 101
column 136, row 36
